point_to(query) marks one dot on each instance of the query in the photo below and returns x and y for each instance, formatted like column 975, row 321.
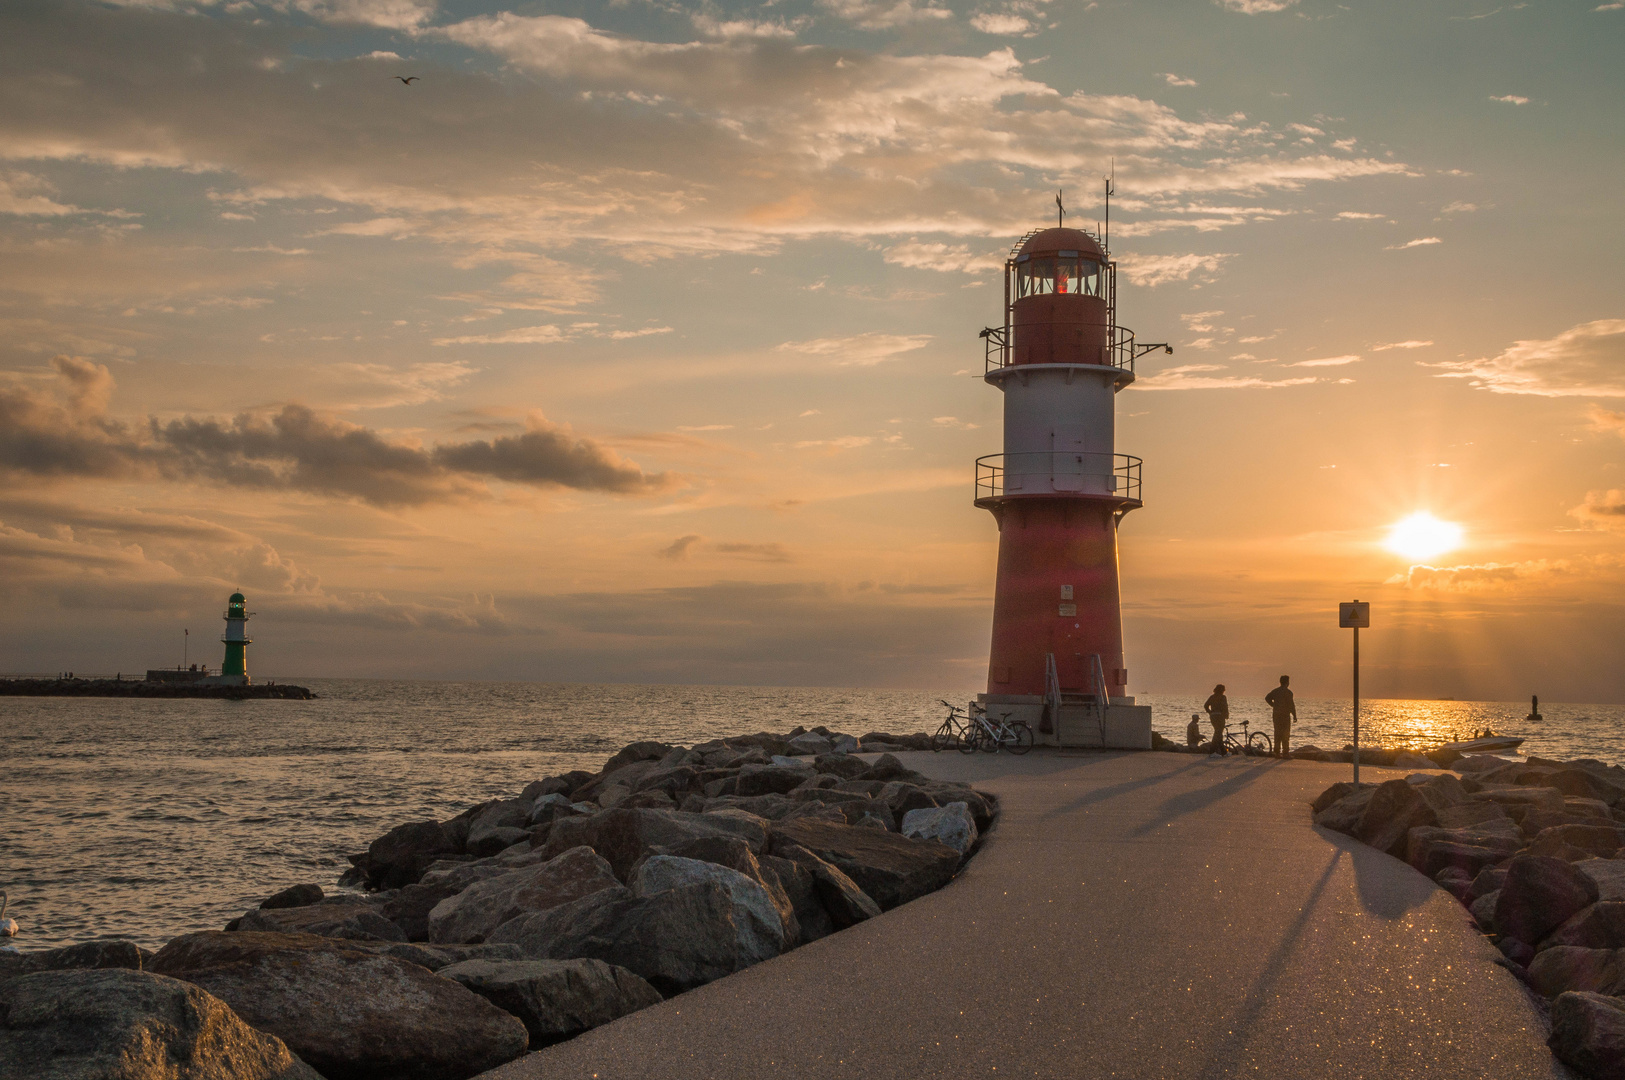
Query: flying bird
column 406, row 80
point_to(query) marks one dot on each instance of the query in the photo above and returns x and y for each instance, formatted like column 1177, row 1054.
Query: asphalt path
column 1142, row 915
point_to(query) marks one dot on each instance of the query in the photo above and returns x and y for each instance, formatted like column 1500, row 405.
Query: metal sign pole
column 1356, row 704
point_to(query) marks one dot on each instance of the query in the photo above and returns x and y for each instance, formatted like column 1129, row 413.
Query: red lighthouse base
column 1057, row 595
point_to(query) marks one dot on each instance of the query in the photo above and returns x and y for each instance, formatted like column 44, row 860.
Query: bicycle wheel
column 1024, row 737
column 944, row 738
column 1260, row 743
column 991, row 742
column 968, row 739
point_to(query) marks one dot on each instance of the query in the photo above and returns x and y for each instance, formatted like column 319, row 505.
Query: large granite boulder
column 623, row 837
column 676, row 940
column 1585, row 783
column 888, row 768
column 294, row 896
column 807, row 912
column 952, row 825
column 1599, row 926
column 1470, row 850
column 1569, row 967
column 811, row 744
column 556, row 999
column 1609, row 874
column 90, row 954
column 111, row 1024
column 1396, row 807
column 1539, row 895
column 1337, row 792
column 842, row 900
column 769, row 780
column 1588, row 1032
column 734, row 853
column 1602, row 841
column 1473, row 812
column 471, row 915
column 401, row 855
column 435, row 957
column 841, row 763
column 1343, row 813
column 759, row 930
column 358, row 920
column 889, row 868
column 350, row 1013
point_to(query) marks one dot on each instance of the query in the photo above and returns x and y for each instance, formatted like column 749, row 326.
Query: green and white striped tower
column 234, row 669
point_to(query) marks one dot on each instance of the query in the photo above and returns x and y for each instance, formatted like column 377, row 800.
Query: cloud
column 1422, row 242
column 64, row 431
column 1176, row 80
column 678, row 549
column 1255, row 7
column 944, row 257
column 860, row 350
column 1194, row 377
column 386, row 14
column 1153, row 270
column 1510, row 99
column 1585, row 361
column 1477, row 578
column 1412, row 344
column 954, row 422
column 1604, row 420
column 991, row 23
column 1200, row 321
column 776, row 553
column 882, row 14
column 1602, row 509
column 1330, row 361
column 1356, row 215
column 27, row 195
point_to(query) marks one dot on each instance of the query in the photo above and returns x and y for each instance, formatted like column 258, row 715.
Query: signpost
column 1354, row 616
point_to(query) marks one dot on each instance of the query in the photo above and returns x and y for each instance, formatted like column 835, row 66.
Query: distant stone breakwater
column 141, row 688
column 516, row 924
column 1536, row 851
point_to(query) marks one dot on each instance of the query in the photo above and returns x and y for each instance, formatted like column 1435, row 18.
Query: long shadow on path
column 1104, row 794
column 1202, row 798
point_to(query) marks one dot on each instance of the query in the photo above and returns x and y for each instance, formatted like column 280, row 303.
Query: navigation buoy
column 8, row 927
column 1534, row 708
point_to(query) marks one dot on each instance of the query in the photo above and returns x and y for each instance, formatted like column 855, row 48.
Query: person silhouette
column 1193, row 731
column 1285, row 711
column 1217, row 707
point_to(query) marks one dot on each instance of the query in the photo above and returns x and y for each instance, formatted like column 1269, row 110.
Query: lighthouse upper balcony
column 1117, row 355
column 1058, row 474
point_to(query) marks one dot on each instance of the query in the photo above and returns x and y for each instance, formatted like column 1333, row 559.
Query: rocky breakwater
column 519, row 923
column 1535, row 851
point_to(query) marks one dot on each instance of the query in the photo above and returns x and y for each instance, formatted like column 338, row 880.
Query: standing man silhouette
column 1217, row 708
column 1286, row 711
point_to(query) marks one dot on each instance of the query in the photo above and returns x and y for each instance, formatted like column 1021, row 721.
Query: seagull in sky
column 406, row 80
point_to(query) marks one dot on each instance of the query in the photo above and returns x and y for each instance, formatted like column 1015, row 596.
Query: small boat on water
column 1488, row 745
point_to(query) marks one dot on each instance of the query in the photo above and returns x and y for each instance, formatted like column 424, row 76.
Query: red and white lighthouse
column 1059, row 492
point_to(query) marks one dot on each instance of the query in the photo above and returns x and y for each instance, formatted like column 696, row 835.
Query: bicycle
column 953, row 730
column 990, row 737
column 1256, row 744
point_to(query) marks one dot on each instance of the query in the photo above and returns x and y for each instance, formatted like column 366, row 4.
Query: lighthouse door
column 1068, row 457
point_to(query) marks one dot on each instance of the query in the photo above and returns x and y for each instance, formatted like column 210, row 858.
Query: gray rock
column 1602, row 841
column 1488, row 880
column 890, row 869
column 843, row 901
column 844, row 744
column 1413, row 761
column 734, row 853
column 1539, row 895
column 90, row 954
column 769, row 780
column 810, row 744
column 1471, row 849
column 1456, row 881
column 556, row 999
column 1568, row 967
column 435, row 957
column 795, row 883
column 1477, row 763
column 786, row 761
column 361, row 921
column 1588, row 1032
column 348, row 1012
column 1470, row 813
column 1343, row 815
column 951, row 825
column 294, row 896
column 677, row 939
column 623, row 837
column 1609, row 874
column 1483, row 909
column 111, row 1024
column 550, row 806
column 471, row 915
column 1394, row 810
column 760, row 930
column 400, row 856
column 1336, row 793
column 1600, row 926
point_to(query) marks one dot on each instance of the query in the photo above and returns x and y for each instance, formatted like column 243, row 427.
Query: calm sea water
column 144, row 819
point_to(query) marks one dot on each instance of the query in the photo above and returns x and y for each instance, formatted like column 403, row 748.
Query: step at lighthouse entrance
column 1059, row 493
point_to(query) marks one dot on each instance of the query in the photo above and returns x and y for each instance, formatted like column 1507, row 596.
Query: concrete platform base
column 1123, row 727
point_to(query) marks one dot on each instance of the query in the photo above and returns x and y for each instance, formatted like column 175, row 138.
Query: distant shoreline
column 140, row 688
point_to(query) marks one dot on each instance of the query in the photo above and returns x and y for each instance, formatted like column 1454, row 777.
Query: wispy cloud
column 1510, row 99
column 945, row 257
column 1412, row 344
column 1255, row 7
column 1330, row 361
column 1153, row 270
column 1196, row 377
column 1002, row 24
column 1602, row 509
column 860, row 350
column 1585, row 361
column 1177, row 80
column 1422, row 242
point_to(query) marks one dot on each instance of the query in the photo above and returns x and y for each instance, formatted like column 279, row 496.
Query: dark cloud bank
column 64, row 430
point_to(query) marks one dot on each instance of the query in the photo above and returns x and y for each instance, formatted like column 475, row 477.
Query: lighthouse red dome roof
column 1051, row 241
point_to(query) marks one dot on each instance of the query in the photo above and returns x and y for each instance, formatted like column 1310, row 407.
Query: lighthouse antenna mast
column 1111, row 189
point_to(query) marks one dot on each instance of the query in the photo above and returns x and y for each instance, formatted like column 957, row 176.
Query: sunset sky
column 636, row 341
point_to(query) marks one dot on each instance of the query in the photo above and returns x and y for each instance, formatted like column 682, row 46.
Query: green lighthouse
column 234, row 669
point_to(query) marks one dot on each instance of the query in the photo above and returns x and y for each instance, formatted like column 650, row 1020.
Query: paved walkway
column 1131, row 915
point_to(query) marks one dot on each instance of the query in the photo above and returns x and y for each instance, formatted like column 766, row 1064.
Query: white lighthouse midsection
column 1059, row 430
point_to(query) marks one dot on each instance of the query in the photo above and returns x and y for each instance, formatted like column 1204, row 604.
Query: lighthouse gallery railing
column 1070, row 473
column 1119, row 352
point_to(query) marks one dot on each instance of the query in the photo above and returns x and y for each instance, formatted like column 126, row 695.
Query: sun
column 1422, row 536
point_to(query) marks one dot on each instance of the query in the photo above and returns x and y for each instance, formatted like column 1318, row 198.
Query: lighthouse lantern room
column 1058, row 493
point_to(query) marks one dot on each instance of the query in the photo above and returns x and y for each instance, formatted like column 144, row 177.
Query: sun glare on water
column 1422, row 536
